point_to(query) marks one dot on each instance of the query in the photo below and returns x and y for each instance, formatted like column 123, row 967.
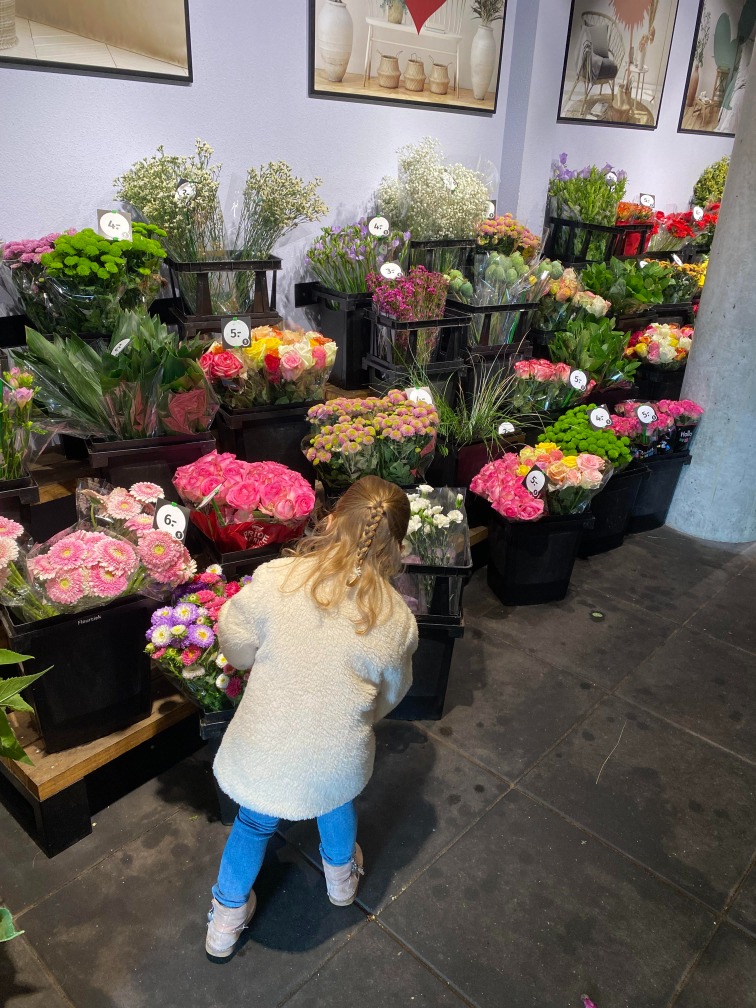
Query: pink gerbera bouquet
column 245, row 505
column 182, row 641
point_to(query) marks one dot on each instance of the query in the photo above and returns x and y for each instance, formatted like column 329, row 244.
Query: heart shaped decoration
column 421, row 10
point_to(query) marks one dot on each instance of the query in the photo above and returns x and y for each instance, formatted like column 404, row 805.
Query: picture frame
column 720, row 60
column 128, row 39
column 623, row 46
column 371, row 51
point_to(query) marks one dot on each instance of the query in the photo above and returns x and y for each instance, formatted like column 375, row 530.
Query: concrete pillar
column 716, row 496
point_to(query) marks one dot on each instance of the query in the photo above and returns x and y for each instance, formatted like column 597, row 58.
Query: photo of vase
column 335, row 32
column 395, row 11
column 482, row 60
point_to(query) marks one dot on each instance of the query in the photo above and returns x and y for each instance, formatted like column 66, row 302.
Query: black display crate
column 570, row 241
column 385, row 332
column 655, row 494
column 431, row 664
column 655, row 383
column 611, row 509
column 154, row 460
column 442, row 254
column 17, row 497
column 213, row 725
column 443, row 379
column 266, row 434
column 344, row 318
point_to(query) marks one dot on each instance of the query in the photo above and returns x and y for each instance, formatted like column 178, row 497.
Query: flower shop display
column 628, row 216
column 573, row 433
column 392, row 437
column 543, row 387
column 182, row 642
column 583, row 210
column 686, row 415
column 279, row 367
column 436, row 553
column 506, row 235
column 594, row 346
column 648, row 434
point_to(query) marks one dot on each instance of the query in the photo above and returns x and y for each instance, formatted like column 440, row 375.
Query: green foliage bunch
column 629, row 286
column 711, row 182
column 11, row 700
column 594, row 346
column 573, row 433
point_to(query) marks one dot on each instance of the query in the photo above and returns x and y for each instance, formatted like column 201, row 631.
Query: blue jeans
column 245, row 849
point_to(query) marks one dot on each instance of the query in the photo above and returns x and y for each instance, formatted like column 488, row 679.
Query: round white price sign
column 599, row 418
column 172, row 519
column 647, row 200
column 646, row 414
column 419, row 395
column 491, row 210
column 120, row 347
column 677, row 260
column 697, row 213
column 506, row 428
column 185, row 191
column 115, row 225
column 379, row 227
column 391, row 271
column 643, row 262
column 236, row 333
column 535, row 481
column 579, row 380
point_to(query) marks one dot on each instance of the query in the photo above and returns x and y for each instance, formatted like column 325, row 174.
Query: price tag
column 379, row 227
column 579, row 380
column 599, row 418
column 185, row 191
column 643, row 262
column 115, row 224
column 506, row 428
column 697, row 213
column 646, row 413
column 448, row 181
column 611, row 177
column 391, row 271
column 171, row 518
column 235, row 331
column 206, row 500
column 491, row 209
column 677, row 260
column 647, row 200
column 535, row 481
column 120, row 347
column 423, row 394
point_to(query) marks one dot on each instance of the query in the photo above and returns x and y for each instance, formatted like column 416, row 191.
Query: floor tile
column 124, row 59
column 743, row 910
column 421, row 797
column 682, row 807
column 701, row 684
column 477, row 596
column 595, row 637
column 506, row 708
column 135, row 924
column 23, row 982
column 726, row 975
column 527, row 911
column 721, row 616
column 383, row 972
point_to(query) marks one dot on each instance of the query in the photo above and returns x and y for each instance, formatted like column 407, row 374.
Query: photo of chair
column 600, row 55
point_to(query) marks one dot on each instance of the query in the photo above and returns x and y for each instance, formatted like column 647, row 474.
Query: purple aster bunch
column 343, row 258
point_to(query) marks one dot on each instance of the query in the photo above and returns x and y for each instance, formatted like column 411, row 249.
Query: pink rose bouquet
column 652, row 438
column 543, row 386
column 245, row 505
column 685, row 415
column 182, row 641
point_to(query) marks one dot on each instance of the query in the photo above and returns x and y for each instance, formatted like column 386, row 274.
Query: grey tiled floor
column 581, row 821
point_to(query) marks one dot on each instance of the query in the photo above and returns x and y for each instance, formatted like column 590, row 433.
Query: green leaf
column 10, row 747
column 7, row 928
column 9, row 687
column 12, row 657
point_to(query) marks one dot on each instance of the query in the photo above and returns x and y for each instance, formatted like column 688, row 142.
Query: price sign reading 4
column 114, row 224
column 599, row 418
column 391, row 271
column 579, row 380
column 535, row 481
column 235, row 331
column 171, row 518
column 378, row 227
column 646, row 414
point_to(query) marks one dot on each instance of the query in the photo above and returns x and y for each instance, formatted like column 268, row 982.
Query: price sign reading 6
column 171, row 518
column 535, row 482
column 235, row 331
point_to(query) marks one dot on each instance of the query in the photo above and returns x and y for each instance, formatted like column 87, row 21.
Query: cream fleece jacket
column 301, row 742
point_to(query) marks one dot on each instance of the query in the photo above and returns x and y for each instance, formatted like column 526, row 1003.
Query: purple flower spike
column 563, row 158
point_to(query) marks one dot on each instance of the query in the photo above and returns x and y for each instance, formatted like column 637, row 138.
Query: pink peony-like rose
column 291, row 365
column 562, row 372
column 532, row 509
column 542, row 370
column 244, row 495
column 223, row 365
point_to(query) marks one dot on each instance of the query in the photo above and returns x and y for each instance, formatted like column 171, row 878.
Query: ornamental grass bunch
column 505, row 234
column 343, row 258
column 431, row 198
column 573, row 433
column 182, row 641
column 274, row 202
column 391, row 437
column 596, row 347
column 663, row 345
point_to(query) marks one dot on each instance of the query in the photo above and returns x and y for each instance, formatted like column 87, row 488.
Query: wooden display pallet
column 55, row 785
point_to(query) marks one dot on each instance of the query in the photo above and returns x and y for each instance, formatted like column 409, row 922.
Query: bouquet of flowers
column 573, row 433
column 662, row 345
column 391, row 437
column 279, row 366
column 697, row 274
column 628, row 215
column 274, row 202
column 342, row 258
column 543, row 386
column 24, row 271
column 417, row 296
column 182, row 642
column 591, row 194
column 557, row 306
column 18, row 424
column 647, row 438
column 686, row 415
column 245, row 505
column 596, row 347
column 507, row 235
column 435, row 537
column 672, row 231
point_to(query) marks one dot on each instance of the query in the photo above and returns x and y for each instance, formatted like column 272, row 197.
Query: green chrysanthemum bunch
column 573, row 433
column 92, row 260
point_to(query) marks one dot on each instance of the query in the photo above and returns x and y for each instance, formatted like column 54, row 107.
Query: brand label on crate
column 90, row 619
column 698, row 213
column 599, row 418
column 491, row 209
column 677, row 260
column 646, row 413
column 535, row 481
column 378, row 227
column 114, row 224
column 423, row 394
column 391, row 270
column 235, row 331
column 579, row 380
column 647, row 199
column 185, row 191
column 120, row 347
column 171, row 518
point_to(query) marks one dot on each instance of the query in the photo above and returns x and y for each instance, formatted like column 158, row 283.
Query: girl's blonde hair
column 357, row 546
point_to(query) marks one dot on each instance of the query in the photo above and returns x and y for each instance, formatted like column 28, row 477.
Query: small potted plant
column 394, row 10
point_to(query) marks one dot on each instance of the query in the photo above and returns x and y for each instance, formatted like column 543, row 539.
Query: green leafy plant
column 596, row 347
column 11, row 700
column 7, row 927
column 630, row 286
column 711, row 182
column 488, row 11
column 573, row 433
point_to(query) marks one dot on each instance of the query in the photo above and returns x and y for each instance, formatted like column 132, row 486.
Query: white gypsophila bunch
column 430, row 198
column 191, row 216
column 274, row 202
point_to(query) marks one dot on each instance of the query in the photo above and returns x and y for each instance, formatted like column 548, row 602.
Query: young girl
column 330, row 644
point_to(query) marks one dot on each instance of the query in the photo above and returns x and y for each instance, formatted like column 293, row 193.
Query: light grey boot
column 225, row 924
column 342, row 880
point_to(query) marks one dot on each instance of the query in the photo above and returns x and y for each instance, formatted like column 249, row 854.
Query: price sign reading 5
column 648, row 200
column 114, row 224
column 378, row 227
column 391, row 270
column 535, row 482
column 235, row 332
column 646, row 414
column 171, row 518
column 579, row 380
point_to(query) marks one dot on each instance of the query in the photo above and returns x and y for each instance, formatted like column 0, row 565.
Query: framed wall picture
column 125, row 38
column 719, row 67
column 444, row 55
column 616, row 62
